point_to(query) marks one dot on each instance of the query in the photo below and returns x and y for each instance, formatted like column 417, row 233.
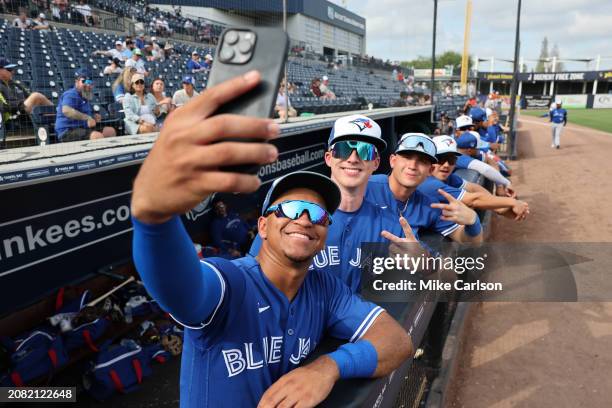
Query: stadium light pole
column 517, row 46
column 286, row 67
column 433, row 60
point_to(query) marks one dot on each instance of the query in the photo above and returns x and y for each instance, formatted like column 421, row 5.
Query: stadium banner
column 537, row 101
column 558, row 76
column 573, row 101
column 495, row 76
column 426, row 72
column 602, row 101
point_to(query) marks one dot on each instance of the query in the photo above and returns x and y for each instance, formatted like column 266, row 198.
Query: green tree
column 555, row 53
column 447, row 58
column 542, row 65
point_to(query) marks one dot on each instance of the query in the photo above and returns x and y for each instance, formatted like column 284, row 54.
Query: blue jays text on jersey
column 342, row 255
column 558, row 115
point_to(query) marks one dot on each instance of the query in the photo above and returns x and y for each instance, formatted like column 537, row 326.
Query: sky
column 402, row 29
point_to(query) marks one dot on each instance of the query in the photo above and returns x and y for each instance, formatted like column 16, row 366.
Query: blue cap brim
column 9, row 66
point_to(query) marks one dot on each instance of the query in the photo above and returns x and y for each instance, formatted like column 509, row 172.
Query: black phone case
column 268, row 57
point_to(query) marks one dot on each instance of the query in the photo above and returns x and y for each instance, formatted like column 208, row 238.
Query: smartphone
column 244, row 49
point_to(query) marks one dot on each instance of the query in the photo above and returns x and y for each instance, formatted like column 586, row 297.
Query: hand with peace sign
column 407, row 245
column 409, row 236
column 455, row 211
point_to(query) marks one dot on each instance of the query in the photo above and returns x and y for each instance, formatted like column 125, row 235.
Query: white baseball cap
column 208, row 56
column 118, row 42
column 463, row 121
column 325, row 78
column 445, row 144
column 489, row 112
column 357, row 127
column 42, row 15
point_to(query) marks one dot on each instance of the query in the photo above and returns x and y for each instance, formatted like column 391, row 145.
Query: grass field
column 600, row 119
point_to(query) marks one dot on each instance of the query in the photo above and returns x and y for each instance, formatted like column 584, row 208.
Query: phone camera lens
column 245, row 47
column 226, row 54
column 231, row 37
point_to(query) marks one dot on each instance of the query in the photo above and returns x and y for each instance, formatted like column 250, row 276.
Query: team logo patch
column 362, row 123
column 449, row 142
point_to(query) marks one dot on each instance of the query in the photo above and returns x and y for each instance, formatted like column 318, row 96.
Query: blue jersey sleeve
column 435, row 222
column 377, row 191
column 348, row 316
column 455, row 181
column 172, row 273
column 430, row 188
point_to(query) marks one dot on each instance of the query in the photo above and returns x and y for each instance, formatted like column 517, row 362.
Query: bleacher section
column 47, row 61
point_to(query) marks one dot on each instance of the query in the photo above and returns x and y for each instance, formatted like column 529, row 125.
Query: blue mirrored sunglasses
column 344, row 149
column 293, row 209
column 418, row 143
column 87, row 81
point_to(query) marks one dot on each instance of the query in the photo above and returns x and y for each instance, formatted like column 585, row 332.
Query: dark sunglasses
column 293, row 209
column 87, row 81
column 447, row 158
column 139, row 82
column 344, row 149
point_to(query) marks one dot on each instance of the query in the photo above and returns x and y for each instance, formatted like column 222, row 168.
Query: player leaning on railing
column 253, row 320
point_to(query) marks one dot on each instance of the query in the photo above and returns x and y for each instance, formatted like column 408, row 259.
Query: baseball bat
column 110, row 292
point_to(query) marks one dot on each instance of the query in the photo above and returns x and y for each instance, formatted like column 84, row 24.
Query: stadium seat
column 43, row 119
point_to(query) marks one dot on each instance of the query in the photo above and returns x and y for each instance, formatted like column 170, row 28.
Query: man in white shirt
column 182, row 96
column 85, row 11
column 137, row 62
column 22, row 21
column 114, row 53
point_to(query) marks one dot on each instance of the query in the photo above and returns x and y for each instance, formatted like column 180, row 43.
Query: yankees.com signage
column 602, row 101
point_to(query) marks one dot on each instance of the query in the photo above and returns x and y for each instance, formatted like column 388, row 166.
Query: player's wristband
column 474, row 229
column 356, row 360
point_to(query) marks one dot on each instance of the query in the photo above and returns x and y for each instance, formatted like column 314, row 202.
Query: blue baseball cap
column 467, row 141
column 188, row 80
column 478, row 114
column 6, row 64
column 82, row 73
column 316, row 182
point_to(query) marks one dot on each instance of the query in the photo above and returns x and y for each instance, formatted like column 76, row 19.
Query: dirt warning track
column 547, row 354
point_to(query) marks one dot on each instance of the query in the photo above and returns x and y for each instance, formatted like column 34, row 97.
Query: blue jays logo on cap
column 362, row 123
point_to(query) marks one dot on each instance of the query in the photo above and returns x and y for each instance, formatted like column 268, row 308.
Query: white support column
column 552, row 83
column 597, row 61
column 492, row 68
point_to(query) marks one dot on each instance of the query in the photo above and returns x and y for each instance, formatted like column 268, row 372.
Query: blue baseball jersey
column 430, row 188
column 348, row 231
column 255, row 335
column 455, row 181
column 417, row 210
column 229, row 232
column 75, row 100
column 558, row 115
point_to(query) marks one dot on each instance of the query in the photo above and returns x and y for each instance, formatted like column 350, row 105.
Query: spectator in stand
column 122, row 84
column 59, row 10
column 400, row 76
column 169, row 53
column 283, row 104
column 114, row 53
column 128, row 50
column 140, row 107
column 158, row 90
column 113, row 68
column 315, row 89
column 208, row 60
column 194, row 64
column 85, row 11
column 14, row 97
column 188, row 26
column 228, row 232
column 41, row 24
column 156, row 51
column 137, row 62
column 182, row 96
column 75, row 119
column 140, row 41
column 326, row 92
column 22, row 21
